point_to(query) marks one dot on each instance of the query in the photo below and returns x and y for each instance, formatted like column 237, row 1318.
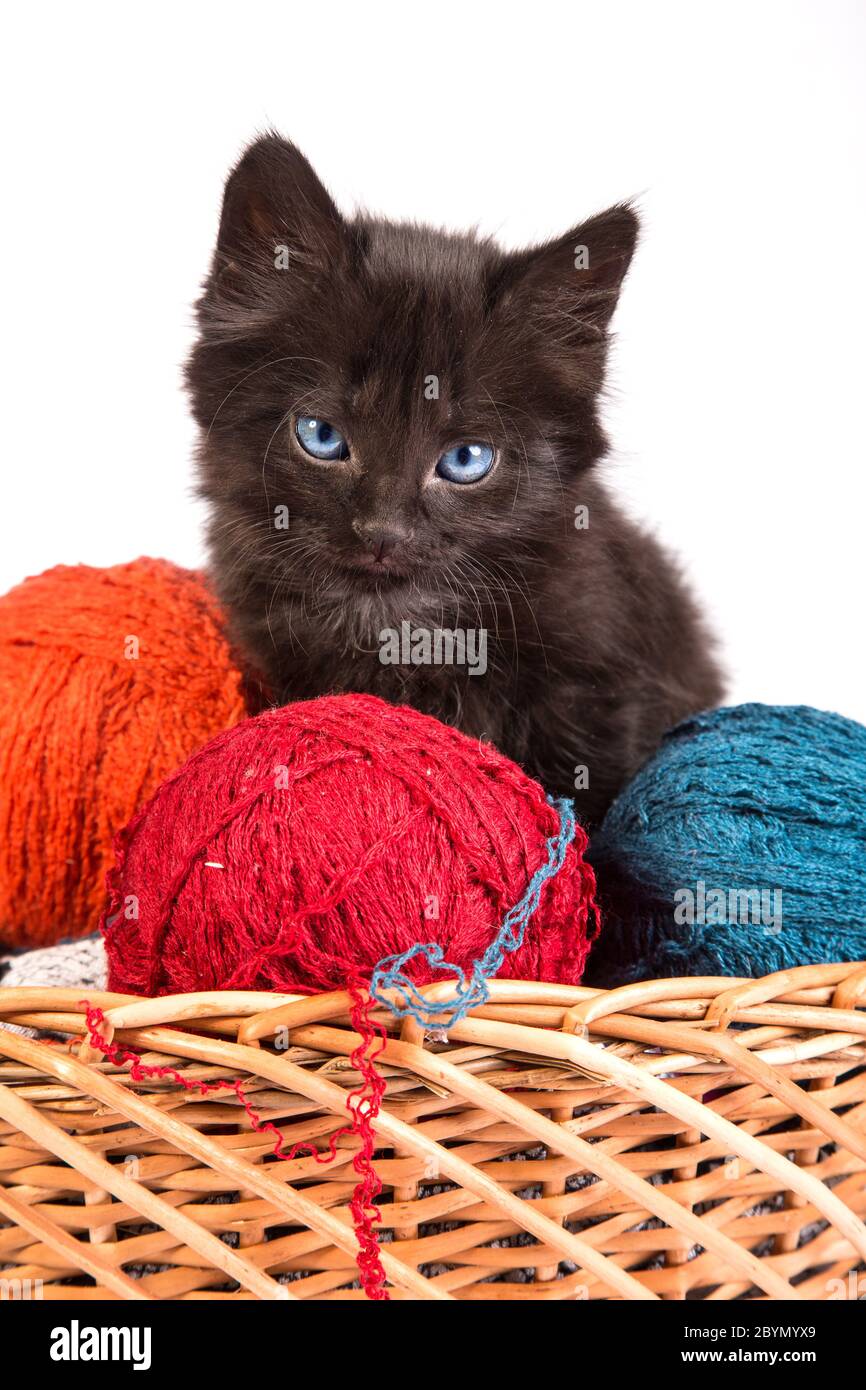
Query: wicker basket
column 701, row 1138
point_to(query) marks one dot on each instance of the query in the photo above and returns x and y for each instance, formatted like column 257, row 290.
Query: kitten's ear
column 574, row 282
column 276, row 214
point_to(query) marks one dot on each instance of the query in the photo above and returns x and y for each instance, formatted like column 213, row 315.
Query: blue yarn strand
column 472, row 988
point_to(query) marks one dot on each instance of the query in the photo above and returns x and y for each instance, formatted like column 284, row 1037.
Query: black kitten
column 400, row 428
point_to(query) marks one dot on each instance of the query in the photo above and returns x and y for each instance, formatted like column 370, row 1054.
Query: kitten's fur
column 594, row 645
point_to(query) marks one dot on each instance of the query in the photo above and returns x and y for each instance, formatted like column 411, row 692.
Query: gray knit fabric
column 71, row 965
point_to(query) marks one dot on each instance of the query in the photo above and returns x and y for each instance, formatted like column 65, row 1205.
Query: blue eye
column 466, row 463
column 320, row 439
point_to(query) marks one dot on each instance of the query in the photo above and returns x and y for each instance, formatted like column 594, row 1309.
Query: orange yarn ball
column 109, row 679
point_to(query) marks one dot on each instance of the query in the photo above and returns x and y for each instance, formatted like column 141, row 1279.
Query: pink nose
column 381, row 540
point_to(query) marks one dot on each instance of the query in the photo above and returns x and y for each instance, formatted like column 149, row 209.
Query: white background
column 736, row 409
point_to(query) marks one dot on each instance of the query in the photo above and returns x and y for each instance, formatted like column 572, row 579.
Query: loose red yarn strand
column 363, row 1105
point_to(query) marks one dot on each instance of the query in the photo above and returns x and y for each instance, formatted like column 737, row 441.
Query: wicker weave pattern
column 678, row 1139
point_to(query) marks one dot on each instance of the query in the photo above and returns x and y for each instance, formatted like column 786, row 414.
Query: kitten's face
column 390, row 412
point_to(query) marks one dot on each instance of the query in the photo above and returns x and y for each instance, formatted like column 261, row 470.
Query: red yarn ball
column 299, row 848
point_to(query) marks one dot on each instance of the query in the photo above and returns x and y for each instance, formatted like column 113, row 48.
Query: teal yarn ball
column 738, row 849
